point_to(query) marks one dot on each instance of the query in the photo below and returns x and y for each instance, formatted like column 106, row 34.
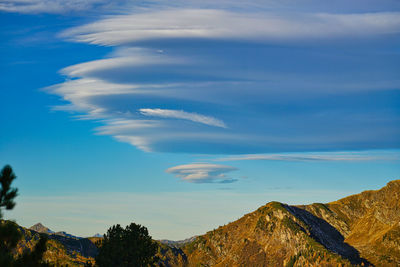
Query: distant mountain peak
column 40, row 228
column 98, row 235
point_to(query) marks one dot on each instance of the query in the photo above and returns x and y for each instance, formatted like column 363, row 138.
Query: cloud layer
column 203, row 173
column 121, row 6
column 220, row 25
column 229, row 81
column 328, row 156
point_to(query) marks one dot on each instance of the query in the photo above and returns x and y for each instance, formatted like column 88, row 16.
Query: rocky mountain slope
column 40, row 228
column 61, row 250
column 362, row 229
column 359, row 230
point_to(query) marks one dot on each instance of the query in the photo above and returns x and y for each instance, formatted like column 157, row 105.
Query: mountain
column 65, row 234
column 178, row 243
column 40, row 228
column 97, row 235
column 359, row 230
column 362, row 229
column 61, row 250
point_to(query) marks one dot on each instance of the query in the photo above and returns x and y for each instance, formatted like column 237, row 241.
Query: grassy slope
column 357, row 230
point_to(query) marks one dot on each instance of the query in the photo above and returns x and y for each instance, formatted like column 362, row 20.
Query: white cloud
column 180, row 114
column 221, row 24
column 260, row 98
column 56, row 6
column 122, row 58
column 121, row 6
column 203, row 173
column 329, row 156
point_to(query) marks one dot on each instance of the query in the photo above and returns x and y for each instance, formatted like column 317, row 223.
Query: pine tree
column 9, row 230
column 132, row 246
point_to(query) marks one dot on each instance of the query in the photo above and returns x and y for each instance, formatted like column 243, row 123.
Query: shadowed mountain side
column 362, row 229
column 369, row 221
column 82, row 245
column 327, row 235
column 271, row 236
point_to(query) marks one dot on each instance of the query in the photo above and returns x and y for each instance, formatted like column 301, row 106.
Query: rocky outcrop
column 40, row 228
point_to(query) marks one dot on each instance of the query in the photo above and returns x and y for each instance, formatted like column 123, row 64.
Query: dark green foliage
column 132, row 246
column 277, row 206
column 7, row 194
column 9, row 237
column 292, row 225
column 292, row 261
column 9, row 231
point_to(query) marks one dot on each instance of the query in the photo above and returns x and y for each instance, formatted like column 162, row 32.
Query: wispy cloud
column 203, row 173
column 123, row 58
column 221, row 24
column 56, row 6
column 330, row 156
column 180, row 114
column 121, row 6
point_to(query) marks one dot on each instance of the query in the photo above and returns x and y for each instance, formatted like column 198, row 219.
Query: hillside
column 61, row 250
column 362, row 229
column 359, row 230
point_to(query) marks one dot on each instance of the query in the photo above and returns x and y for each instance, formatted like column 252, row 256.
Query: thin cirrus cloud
column 328, row 156
column 265, row 81
column 203, row 173
column 120, row 6
column 57, row 6
column 221, row 24
column 180, row 114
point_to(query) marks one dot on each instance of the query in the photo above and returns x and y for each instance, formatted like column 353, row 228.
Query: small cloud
column 203, row 173
column 180, row 114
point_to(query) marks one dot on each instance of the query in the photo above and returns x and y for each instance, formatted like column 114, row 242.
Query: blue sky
column 184, row 116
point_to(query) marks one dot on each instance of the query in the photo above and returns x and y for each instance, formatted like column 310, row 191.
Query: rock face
column 40, row 228
column 362, row 229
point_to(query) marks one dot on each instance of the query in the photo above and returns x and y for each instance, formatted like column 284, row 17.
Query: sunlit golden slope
column 362, row 229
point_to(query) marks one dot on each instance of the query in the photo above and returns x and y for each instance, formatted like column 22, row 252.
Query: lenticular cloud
column 219, row 81
column 203, row 173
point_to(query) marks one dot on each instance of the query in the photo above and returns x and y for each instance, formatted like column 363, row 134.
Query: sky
column 185, row 115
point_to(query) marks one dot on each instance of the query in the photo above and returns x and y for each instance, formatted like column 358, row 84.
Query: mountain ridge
column 361, row 229
column 357, row 230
